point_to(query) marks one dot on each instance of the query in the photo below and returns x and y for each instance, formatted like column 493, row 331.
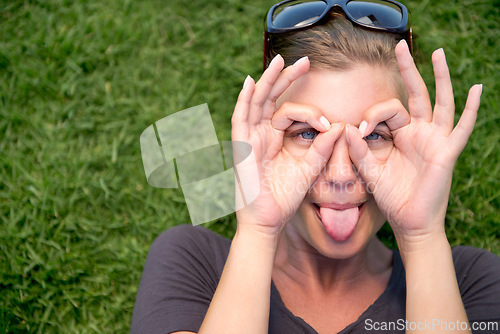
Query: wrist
column 259, row 236
column 416, row 233
column 415, row 246
column 247, row 222
column 432, row 290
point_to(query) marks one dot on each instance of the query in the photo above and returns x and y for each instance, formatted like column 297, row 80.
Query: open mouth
column 339, row 220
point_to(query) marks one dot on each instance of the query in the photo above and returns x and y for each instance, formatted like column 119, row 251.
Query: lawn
column 79, row 82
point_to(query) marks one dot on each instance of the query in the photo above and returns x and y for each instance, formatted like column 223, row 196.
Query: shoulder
column 478, row 277
column 180, row 276
column 474, row 261
column 186, row 232
column 181, row 234
column 186, row 242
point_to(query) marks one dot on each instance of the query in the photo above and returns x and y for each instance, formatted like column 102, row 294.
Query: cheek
column 382, row 150
column 373, row 215
column 372, row 171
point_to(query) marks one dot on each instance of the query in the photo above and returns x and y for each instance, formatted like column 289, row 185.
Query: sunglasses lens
column 375, row 13
column 296, row 14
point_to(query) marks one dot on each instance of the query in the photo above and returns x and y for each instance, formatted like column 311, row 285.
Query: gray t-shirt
column 185, row 263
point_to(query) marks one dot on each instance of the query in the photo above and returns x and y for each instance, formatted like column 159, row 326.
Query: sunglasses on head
column 292, row 15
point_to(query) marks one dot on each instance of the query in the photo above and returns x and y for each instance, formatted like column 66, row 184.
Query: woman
column 345, row 138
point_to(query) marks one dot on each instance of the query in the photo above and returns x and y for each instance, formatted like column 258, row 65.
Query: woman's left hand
column 412, row 186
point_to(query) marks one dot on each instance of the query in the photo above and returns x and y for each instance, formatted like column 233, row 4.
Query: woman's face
column 339, row 216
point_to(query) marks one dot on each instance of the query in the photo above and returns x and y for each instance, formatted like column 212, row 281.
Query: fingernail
column 275, row 59
column 481, row 85
column 301, row 60
column 347, row 134
column 325, row 122
column 441, row 50
column 247, row 81
column 362, row 128
column 405, row 43
column 340, row 126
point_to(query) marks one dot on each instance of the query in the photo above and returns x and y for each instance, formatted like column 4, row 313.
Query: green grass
column 80, row 81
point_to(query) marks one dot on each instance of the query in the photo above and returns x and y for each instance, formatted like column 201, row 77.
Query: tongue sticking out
column 339, row 224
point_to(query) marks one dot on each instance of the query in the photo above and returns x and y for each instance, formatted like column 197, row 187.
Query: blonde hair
column 340, row 45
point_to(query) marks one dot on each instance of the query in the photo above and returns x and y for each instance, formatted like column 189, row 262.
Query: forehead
column 342, row 96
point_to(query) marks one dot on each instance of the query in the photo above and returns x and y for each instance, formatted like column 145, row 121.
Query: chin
column 314, row 232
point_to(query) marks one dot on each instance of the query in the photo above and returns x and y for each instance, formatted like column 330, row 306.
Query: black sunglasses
column 292, row 15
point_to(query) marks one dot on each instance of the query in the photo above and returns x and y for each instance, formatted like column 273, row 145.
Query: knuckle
column 255, row 105
column 236, row 119
column 286, row 105
column 287, row 74
column 241, row 99
column 396, row 103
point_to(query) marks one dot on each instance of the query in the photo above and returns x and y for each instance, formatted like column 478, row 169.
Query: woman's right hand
column 283, row 178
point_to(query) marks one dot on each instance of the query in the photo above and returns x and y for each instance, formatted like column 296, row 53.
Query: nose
column 339, row 170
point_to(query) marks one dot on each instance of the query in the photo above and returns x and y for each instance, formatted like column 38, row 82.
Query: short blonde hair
column 340, row 45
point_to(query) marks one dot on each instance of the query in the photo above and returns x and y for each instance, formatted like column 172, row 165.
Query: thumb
column 320, row 152
column 369, row 167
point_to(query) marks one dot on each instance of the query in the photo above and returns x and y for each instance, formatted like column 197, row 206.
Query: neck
column 298, row 263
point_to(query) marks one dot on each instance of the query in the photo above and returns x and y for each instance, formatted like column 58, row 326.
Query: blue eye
column 373, row 136
column 308, row 135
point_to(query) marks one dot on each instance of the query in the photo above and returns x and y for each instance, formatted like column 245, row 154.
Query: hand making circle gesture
column 283, row 179
column 412, row 186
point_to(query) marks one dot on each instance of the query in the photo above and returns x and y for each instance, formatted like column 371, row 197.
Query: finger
column 262, row 89
column 320, row 152
column 366, row 163
column 288, row 75
column 239, row 120
column 418, row 96
column 293, row 112
column 444, row 109
column 465, row 126
column 392, row 112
